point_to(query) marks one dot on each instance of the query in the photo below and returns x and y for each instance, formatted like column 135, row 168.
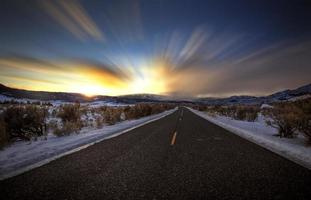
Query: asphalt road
column 181, row 156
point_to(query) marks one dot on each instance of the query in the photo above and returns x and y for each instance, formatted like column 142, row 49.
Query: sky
column 170, row 47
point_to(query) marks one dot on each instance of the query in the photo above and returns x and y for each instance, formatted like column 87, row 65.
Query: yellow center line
column 174, row 138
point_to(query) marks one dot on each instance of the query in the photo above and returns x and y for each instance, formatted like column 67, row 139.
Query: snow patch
column 263, row 106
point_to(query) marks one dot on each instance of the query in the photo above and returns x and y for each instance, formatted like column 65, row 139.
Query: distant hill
column 9, row 93
column 41, row 95
column 286, row 95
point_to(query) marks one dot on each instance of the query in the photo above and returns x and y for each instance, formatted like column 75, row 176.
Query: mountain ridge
column 283, row 95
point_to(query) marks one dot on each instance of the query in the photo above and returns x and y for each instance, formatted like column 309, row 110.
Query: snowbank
column 260, row 133
column 23, row 156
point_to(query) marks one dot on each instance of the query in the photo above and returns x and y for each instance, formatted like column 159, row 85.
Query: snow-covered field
column 93, row 104
column 23, row 156
column 258, row 132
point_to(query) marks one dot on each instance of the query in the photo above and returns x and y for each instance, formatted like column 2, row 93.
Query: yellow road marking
column 174, row 138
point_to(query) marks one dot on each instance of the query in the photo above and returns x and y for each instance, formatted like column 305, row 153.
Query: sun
column 150, row 81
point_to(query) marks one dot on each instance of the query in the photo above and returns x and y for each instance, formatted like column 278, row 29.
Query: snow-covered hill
column 286, row 95
column 8, row 93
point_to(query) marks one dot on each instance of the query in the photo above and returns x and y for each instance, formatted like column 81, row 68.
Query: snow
column 263, row 106
column 4, row 98
column 57, row 103
column 23, row 156
column 260, row 133
column 96, row 104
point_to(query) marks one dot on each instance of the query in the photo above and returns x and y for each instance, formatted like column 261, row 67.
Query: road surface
column 181, row 156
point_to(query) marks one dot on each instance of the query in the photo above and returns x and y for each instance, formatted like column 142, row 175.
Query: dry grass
column 25, row 121
column 4, row 136
column 239, row 112
column 285, row 118
column 290, row 117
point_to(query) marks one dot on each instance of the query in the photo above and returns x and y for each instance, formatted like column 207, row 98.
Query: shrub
column 305, row 118
column 4, row 136
column 305, row 127
column 130, row 112
column 70, row 113
column 67, row 129
column 71, row 118
column 112, row 115
column 246, row 113
column 25, row 121
column 202, row 108
column 285, row 119
column 99, row 122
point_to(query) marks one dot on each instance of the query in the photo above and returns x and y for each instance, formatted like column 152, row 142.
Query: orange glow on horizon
column 82, row 78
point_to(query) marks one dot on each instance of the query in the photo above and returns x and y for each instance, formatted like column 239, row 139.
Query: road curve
column 181, row 156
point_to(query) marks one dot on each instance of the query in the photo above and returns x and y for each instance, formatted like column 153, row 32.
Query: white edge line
column 282, row 151
column 48, row 160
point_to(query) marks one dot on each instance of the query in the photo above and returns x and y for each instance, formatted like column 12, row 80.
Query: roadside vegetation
column 28, row 121
column 240, row 112
column 290, row 118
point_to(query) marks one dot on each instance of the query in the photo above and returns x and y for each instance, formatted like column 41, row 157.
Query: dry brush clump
column 292, row 117
column 285, row 117
column 304, row 123
column 24, row 121
column 238, row 112
column 70, row 116
column 4, row 135
column 144, row 109
column 112, row 115
column 247, row 113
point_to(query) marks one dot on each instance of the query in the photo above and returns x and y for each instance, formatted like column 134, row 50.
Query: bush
column 68, row 128
column 246, row 113
column 71, row 118
column 112, row 115
column 305, row 118
column 99, row 122
column 286, row 119
column 25, row 121
column 70, row 113
column 4, row 136
column 305, row 127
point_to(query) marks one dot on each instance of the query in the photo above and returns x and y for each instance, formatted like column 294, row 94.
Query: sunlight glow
column 85, row 78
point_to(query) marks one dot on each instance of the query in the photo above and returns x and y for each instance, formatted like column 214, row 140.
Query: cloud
column 63, row 75
column 72, row 16
column 210, row 64
column 123, row 18
column 201, row 63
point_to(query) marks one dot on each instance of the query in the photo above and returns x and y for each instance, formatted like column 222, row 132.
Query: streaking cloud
column 162, row 47
column 72, row 16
